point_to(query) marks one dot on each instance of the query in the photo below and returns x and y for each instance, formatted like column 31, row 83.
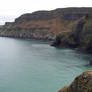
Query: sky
column 10, row 9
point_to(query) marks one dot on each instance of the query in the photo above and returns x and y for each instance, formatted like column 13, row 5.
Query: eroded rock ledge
column 79, row 38
column 82, row 83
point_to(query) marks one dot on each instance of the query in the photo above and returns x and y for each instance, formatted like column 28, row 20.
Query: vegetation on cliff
column 44, row 25
column 82, row 83
column 80, row 37
column 72, row 27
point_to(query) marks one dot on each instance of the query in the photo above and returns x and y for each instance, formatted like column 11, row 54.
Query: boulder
column 82, row 83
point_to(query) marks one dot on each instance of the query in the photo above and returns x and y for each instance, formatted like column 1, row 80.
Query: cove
column 34, row 66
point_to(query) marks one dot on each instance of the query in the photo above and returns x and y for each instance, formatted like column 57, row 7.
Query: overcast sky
column 15, row 8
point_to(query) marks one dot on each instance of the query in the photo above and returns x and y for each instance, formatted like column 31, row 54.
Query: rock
column 57, row 42
column 46, row 25
column 80, row 37
column 82, row 83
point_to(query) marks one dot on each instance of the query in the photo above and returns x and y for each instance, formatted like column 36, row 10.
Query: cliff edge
column 82, row 83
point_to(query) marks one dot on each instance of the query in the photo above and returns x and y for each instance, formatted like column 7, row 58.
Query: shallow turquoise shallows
column 33, row 66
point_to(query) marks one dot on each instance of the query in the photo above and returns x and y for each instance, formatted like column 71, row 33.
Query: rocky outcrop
column 80, row 37
column 44, row 25
column 82, row 83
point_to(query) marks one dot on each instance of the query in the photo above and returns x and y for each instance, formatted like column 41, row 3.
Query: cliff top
column 61, row 12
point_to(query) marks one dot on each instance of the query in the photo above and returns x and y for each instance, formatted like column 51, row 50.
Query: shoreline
column 50, row 43
column 41, row 40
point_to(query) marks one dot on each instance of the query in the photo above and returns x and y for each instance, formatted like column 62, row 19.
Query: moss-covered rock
column 82, row 83
column 65, row 89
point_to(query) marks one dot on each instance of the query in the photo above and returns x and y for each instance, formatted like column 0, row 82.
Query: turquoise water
column 33, row 66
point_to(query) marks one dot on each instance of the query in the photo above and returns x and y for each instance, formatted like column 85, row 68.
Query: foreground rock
column 82, row 83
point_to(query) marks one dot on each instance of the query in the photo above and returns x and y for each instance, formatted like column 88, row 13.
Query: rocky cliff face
column 80, row 37
column 82, row 83
column 44, row 25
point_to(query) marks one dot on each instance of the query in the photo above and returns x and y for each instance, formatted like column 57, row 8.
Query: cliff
column 80, row 37
column 82, row 83
column 44, row 25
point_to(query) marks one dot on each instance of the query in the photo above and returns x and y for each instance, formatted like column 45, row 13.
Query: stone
column 82, row 83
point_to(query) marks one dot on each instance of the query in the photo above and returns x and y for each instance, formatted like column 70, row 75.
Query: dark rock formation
column 80, row 37
column 82, row 83
column 57, row 41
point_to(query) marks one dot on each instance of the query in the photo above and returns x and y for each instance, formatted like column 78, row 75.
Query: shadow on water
column 86, row 57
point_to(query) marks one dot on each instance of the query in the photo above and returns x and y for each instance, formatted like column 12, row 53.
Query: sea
column 35, row 66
